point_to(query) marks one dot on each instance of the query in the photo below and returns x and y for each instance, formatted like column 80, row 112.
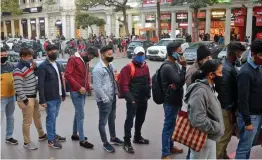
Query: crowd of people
column 220, row 98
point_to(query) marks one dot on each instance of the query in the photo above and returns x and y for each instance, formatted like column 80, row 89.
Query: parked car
column 13, row 57
column 143, row 43
column 10, row 41
column 159, row 51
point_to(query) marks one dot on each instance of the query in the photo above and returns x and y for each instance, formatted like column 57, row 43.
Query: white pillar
column 173, row 25
column 143, row 20
column 208, row 21
column 72, row 26
column 227, row 27
column 156, row 21
column 117, row 26
column 46, row 27
column 13, row 28
column 21, row 28
column 29, row 30
column 130, row 24
column 249, row 22
column 108, row 24
column 37, row 25
column 190, row 22
column 64, row 25
column 5, row 29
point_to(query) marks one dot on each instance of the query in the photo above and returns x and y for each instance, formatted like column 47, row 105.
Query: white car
column 159, row 51
column 223, row 54
column 10, row 42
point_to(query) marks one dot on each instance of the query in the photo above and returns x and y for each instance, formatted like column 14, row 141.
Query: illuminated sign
column 218, row 14
column 224, row 1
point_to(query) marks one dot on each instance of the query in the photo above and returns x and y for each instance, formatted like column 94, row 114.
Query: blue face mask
column 140, row 59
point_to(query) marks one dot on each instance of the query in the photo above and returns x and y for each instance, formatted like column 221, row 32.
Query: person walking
column 105, row 89
column 249, row 118
column 7, row 97
column 51, row 92
column 26, row 89
column 77, row 75
column 136, row 89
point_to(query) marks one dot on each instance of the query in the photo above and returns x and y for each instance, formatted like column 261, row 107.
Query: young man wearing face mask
column 136, row 89
column 7, row 96
column 51, row 93
column 77, row 75
column 173, row 80
column 105, row 89
column 249, row 101
column 227, row 95
column 26, row 89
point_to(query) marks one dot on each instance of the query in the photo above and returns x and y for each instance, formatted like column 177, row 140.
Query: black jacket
column 227, row 89
column 48, row 82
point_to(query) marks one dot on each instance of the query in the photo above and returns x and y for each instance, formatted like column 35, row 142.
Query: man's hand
column 182, row 61
column 134, row 102
column 34, row 65
column 63, row 99
column 43, row 105
column 82, row 90
column 250, row 127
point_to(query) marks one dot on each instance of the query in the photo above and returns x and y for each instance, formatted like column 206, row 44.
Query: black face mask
column 218, row 79
column 52, row 57
column 109, row 59
column 86, row 59
column 3, row 59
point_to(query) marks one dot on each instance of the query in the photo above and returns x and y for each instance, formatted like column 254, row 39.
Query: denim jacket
column 104, row 84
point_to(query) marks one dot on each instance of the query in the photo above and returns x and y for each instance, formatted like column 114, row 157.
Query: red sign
column 239, row 12
column 181, row 16
column 258, row 10
column 150, row 3
column 166, row 26
column 259, row 21
column 182, row 25
column 200, row 15
column 165, row 16
column 259, row 36
column 239, row 21
column 150, row 17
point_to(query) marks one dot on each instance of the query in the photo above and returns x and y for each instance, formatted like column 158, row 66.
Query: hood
column 193, row 88
column 157, row 47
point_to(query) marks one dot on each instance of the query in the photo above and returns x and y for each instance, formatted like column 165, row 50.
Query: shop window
column 32, row 1
column 23, row 1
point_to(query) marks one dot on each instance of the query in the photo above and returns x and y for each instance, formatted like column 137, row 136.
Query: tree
column 11, row 6
column 118, row 5
column 84, row 20
column 195, row 5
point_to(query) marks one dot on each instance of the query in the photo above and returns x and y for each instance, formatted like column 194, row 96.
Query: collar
column 103, row 64
column 79, row 56
column 251, row 62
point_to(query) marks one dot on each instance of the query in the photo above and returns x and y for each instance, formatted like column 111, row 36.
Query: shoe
column 128, row 147
column 116, row 141
column 11, row 141
column 141, row 140
column 166, row 157
column 59, row 138
column 55, row 144
column 109, row 148
column 76, row 138
column 86, row 144
column 30, row 146
column 176, row 150
column 44, row 137
column 226, row 157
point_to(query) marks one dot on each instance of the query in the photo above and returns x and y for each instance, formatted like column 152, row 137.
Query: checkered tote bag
column 185, row 134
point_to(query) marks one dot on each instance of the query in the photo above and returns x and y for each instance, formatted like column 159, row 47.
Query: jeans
column 169, row 126
column 247, row 137
column 139, row 110
column 107, row 112
column 207, row 152
column 8, row 108
column 78, row 100
column 52, row 113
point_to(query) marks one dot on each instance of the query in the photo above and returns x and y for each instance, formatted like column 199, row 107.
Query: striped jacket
column 25, row 82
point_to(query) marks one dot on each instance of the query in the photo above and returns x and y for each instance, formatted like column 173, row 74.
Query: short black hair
column 234, row 47
column 25, row 51
column 92, row 51
column 3, row 49
column 106, row 48
column 171, row 47
column 256, row 47
column 50, row 47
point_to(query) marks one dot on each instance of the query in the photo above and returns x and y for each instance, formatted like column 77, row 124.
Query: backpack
column 118, row 79
column 157, row 90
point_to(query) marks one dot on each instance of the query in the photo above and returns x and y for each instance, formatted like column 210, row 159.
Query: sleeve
column 18, row 80
column 41, row 84
column 188, row 77
column 244, row 81
column 124, row 83
column 97, row 85
column 69, row 74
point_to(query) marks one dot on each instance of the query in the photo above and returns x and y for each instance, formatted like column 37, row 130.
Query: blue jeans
column 78, row 100
column 52, row 113
column 107, row 112
column 247, row 137
column 169, row 126
column 8, row 108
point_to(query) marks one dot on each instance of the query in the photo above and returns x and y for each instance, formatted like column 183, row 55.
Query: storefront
column 238, row 25
column 24, row 27
column 165, row 22
column 42, row 27
column 182, row 21
column 257, row 31
column 58, row 25
column 217, row 22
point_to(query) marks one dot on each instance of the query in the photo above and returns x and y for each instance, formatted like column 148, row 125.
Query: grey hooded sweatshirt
column 204, row 109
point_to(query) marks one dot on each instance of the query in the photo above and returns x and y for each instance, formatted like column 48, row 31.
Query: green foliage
column 257, row 1
column 50, row 2
column 84, row 20
column 194, row 4
column 11, row 6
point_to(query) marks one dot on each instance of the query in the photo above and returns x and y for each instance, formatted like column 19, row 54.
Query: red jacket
column 77, row 73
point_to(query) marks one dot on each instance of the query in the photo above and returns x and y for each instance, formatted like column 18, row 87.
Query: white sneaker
column 30, row 146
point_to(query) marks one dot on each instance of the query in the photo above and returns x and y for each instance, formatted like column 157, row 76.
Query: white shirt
column 59, row 78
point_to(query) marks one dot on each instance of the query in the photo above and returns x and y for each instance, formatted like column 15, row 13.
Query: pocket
column 21, row 104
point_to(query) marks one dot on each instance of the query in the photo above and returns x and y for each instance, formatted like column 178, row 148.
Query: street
column 152, row 129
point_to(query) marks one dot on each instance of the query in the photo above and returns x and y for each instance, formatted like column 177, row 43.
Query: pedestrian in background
column 51, row 93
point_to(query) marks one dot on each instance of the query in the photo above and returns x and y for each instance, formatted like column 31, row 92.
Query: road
column 71, row 150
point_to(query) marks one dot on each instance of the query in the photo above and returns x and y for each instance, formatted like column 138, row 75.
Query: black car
column 143, row 43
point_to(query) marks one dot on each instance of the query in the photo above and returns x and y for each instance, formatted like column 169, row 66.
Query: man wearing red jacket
column 76, row 73
column 136, row 89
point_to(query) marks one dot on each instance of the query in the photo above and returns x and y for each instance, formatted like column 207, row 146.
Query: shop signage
column 218, row 14
column 182, row 25
column 165, row 17
column 181, row 16
column 259, row 36
column 217, row 24
column 259, row 21
column 33, row 10
column 166, row 26
column 239, row 21
column 32, row 22
column 150, row 17
column 23, row 21
column 7, row 22
column 200, row 15
column 41, row 21
column 58, row 23
column 258, row 10
column 239, row 12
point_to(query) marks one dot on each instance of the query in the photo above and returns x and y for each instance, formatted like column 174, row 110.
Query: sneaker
column 141, row 140
column 109, row 148
column 55, row 144
column 86, row 144
column 44, row 137
column 116, row 141
column 166, row 157
column 59, row 138
column 128, row 147
column 30, row 146
column 76, row 138
column 11, row 141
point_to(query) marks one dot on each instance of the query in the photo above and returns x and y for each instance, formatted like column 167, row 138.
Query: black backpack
column 157, row 90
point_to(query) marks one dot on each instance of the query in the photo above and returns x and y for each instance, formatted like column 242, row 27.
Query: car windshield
column 195, row 45
column 163, row 42
column 136, row 43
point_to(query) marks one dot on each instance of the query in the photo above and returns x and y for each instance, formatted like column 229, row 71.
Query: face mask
column 109, row 59
column 140, row 59
column 52, row 57
column 218, row 79
column 3, row 59
column 27, row 63
column 86, row 59
column 258, row 61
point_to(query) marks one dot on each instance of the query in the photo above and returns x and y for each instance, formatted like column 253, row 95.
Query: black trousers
column 137, row 110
